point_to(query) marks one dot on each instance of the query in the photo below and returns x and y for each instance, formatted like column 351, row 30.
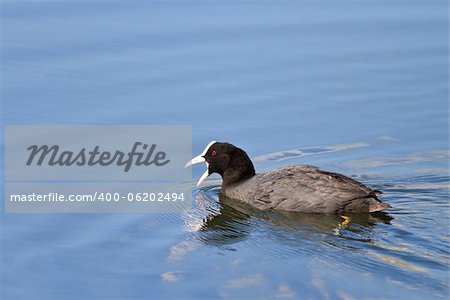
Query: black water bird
column 299, row 188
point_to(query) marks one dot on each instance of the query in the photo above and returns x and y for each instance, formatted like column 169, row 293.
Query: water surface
column 356, row 87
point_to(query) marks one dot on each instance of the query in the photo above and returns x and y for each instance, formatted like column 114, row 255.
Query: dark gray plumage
column 306, row 189
column 298, row 188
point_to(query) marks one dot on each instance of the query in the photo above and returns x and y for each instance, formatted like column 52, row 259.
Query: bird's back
column 306, row 189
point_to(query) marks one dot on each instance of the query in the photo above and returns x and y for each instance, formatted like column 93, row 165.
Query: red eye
column 214, row 153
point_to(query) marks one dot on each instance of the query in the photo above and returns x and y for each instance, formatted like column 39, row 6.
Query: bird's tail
column 377, row 205
column 367, row 204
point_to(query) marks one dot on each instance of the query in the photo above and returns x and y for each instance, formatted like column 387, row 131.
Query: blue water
column 357, row 87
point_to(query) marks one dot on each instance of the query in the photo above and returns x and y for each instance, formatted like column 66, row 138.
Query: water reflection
column 232, row 221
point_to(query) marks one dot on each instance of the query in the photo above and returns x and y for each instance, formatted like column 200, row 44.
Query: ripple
column 297, row 153
column 395, row 242
column 441, row 156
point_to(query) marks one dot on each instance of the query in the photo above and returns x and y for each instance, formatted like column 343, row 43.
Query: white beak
column 198, row 159
column 195, row 160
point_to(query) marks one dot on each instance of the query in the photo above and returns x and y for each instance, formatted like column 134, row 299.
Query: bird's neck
column 240, row 171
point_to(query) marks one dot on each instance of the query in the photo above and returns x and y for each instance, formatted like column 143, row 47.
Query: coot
column 299, row 188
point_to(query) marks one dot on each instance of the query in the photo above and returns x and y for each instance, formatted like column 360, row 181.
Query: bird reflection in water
column 233, row 221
